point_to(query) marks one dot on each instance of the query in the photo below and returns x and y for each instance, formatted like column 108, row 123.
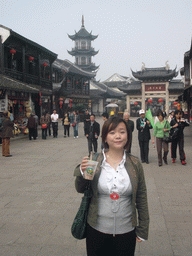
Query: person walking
column 161, row 129
column 54, row 119
column 43, row 122
column 6, row 133
column 48, row 117
column 105, row 116
column 36, row 124
column 75, row 120
column 66, row 123
column 31, row 125
column 92, row 132
column 86, row 118
column 143, row 126
column 118, row 212
column 178, row 123
column 130, row 124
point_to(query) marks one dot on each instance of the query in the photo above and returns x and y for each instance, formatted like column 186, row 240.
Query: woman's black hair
column 160, row 113
column 177, row 112
column 110, row 125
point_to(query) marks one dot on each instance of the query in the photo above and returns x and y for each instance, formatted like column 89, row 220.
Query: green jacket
column 139, row 203
column 158, row 129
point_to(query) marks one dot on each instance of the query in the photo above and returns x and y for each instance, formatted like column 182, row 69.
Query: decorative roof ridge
column 92, row 73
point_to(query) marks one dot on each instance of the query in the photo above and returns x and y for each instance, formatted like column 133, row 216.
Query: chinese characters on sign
column 156, row 87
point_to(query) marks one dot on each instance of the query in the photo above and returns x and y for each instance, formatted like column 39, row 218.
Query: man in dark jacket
column 31, row 125
column 86, row 119
column 6, row 133
column 130, row 125
column 144, row 136
column 92, row 132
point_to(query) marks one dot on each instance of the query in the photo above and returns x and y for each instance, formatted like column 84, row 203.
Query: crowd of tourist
column 70, row 121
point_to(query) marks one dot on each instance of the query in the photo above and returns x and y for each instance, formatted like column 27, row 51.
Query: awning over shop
column 9, row 83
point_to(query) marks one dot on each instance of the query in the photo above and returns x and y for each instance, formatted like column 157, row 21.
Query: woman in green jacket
column 118, row 213
column 161, row 128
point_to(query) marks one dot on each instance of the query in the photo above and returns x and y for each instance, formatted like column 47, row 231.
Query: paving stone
column 38, row 200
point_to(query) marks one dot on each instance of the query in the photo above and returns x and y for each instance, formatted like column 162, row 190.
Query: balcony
column 28, row 78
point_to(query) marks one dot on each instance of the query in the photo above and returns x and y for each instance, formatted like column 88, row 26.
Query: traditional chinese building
column 100, row 94
column 83, row 50
column 186, row 71
column 71, row 86
column 25, row 74
column 152, row 88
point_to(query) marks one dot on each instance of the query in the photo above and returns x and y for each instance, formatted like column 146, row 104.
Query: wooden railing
column 28, row 78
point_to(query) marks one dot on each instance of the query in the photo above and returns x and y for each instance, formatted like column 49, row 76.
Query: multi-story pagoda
column 83, row 51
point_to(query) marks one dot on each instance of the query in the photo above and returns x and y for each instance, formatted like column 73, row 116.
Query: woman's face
column 117, row 138
column 160, row 118
column 177, row 115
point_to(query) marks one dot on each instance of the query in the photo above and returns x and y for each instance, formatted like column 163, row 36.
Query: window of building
column 83, row 61
column 83, row 45
column 77, row 60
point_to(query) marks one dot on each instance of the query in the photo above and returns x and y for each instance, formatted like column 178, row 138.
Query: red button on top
column 114, row 196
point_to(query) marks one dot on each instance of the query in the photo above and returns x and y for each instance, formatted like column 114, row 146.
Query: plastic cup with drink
column 90, row 170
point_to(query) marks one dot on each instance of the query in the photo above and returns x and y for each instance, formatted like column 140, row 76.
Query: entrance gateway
column 153, row 88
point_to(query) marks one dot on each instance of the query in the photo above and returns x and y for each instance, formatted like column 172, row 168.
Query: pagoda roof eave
column 159, row 74
column 82, row 52
column 82, row 34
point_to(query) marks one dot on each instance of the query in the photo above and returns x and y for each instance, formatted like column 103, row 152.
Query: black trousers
column 180, row 142
column 55, row 128
column 44, row 133
column 32, row 133
column 49, row 129
column 144, row 150
column 100, row 244
column 90, row 143
column 66, row 130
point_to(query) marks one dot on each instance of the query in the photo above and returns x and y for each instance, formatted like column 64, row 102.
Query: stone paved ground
column 38, row 201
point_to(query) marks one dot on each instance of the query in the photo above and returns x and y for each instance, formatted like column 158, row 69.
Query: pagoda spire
column 82, row 20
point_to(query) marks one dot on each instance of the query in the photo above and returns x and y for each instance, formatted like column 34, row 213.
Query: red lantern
column 45, row 64
column 160, row 100
column 12, row 51
column 175, row 103
column 40, row 98
column 150, row 100
column 60, row 102
column 31, row 58
column 135, row 103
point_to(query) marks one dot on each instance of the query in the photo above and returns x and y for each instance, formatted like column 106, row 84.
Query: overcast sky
column 130, row 31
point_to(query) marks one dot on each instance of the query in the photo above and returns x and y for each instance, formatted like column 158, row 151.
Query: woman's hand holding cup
column 84, row 163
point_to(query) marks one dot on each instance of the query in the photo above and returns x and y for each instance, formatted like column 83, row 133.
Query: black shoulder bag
column 79, row 226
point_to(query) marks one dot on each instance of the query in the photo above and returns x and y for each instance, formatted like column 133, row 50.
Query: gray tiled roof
column 82, row 33
column 12, row 84
column 176, row 85
column 156, row 74
column 69, row 67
